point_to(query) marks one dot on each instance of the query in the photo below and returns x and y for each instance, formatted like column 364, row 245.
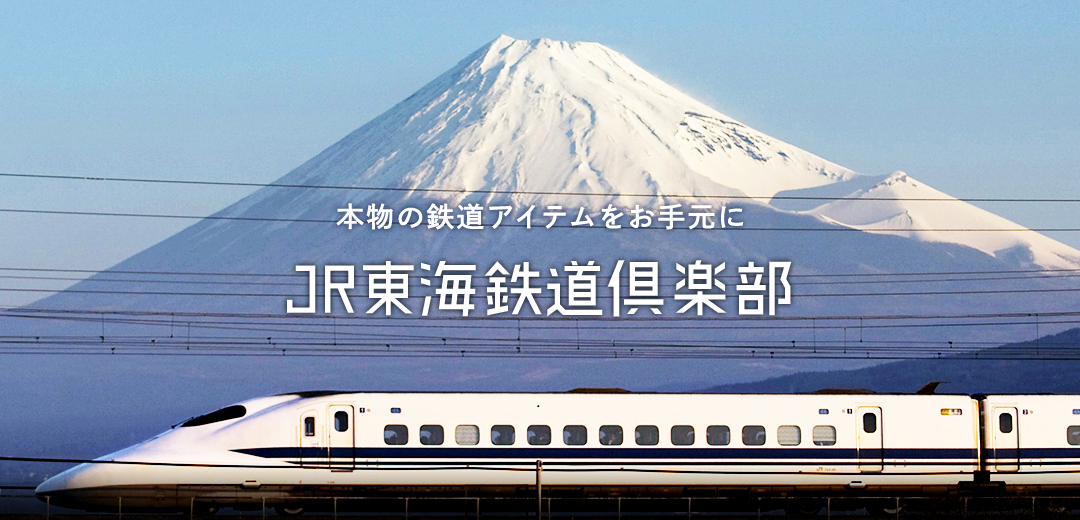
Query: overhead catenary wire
column 379, row 339
column 398, row 341
column 741, row 229
column 599, row 297
column 567, row 351
column 415, row 282
column 270, row 334
column 145, row 180
column 275, row 339
column 537, row 345
column 279, row 336
column 252, row 334
column 510, row 321
column 320, row 274
column 284, row 326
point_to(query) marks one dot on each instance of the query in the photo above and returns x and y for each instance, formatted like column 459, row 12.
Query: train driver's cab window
column 431, row 435
column 1005, row 423
column 682, row 435
column 539, row 435
column 502, row 435
column 753, row 435
column 718, row 435
column 824, row 435
column 575, row 435
column 789, row 435
column 647, row 435
column 869, row 422
column 341, row 421
column 309, row 426
column 611, row 435
column 229, row 412
column 396, row 434
column 1074, row 435
column 467, row 435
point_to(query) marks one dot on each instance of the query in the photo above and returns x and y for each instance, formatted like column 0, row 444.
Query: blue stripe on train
column 607, row 453
column 1035, row 453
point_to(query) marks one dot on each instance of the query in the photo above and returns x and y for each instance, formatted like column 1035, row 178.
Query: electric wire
column 320, row 274
column 512, row 192
column 361, row 282
column 741, row 229
column 348, row 343
column 510, row 321
column 801, row 295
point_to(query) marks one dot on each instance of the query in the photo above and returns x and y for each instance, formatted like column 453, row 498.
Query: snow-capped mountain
column 523, row 123
column 914, row 213
column 553, row 117
column 577, row 124
column 540, row 118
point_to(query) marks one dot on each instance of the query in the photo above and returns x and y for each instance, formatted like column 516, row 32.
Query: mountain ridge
column 545, row 115
column 964, row 376
column 916, row 214
column 528, row 119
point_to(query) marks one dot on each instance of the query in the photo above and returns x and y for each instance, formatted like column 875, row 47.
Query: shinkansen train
column 289, row 450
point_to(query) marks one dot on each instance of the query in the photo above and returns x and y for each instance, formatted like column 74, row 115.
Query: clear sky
column 976, row 99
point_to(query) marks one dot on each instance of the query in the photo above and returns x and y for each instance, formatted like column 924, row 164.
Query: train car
column 289, row 450
column 1032, row 442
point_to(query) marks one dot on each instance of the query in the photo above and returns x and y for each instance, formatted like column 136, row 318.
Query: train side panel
column 1033, row 442
column 291, row 448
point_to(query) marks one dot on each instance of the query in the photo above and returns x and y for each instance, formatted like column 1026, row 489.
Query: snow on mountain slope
column 540, row 118
column 549, row 116
column 924, row 220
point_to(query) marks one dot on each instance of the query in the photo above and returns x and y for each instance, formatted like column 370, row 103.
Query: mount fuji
column 521, row 122
column 578, row 125
column 543, row 123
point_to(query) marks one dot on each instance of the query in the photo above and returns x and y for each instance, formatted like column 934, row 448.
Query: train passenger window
column 869, row 422
column 502, row 435
column 824, row 435
column 1074, row 435
column 309, row 426
column 718, row 435
column 753, row 435
column 341, row 421
column 682, row 435
column 396, row 434
column 1005, row 423
column 467, row 435
column 789, row 435
column 431, row 435
column 647, row 435
column 575, row 435
column 611, row 435
column 539, row 435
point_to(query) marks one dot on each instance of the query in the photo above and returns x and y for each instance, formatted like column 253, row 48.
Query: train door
column 870, row 447
column 312, row 448
column 341, row 428
column 1006, row 439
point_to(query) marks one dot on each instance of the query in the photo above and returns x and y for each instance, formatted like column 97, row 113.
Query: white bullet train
column 290, row 450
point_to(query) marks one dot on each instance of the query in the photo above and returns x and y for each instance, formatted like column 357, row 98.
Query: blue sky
column 975, row 99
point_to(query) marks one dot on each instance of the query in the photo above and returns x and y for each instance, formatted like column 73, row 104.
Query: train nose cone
column 52, row 485
column 63, row 489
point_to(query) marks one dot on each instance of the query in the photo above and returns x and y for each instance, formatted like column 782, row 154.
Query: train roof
column 614, row 391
